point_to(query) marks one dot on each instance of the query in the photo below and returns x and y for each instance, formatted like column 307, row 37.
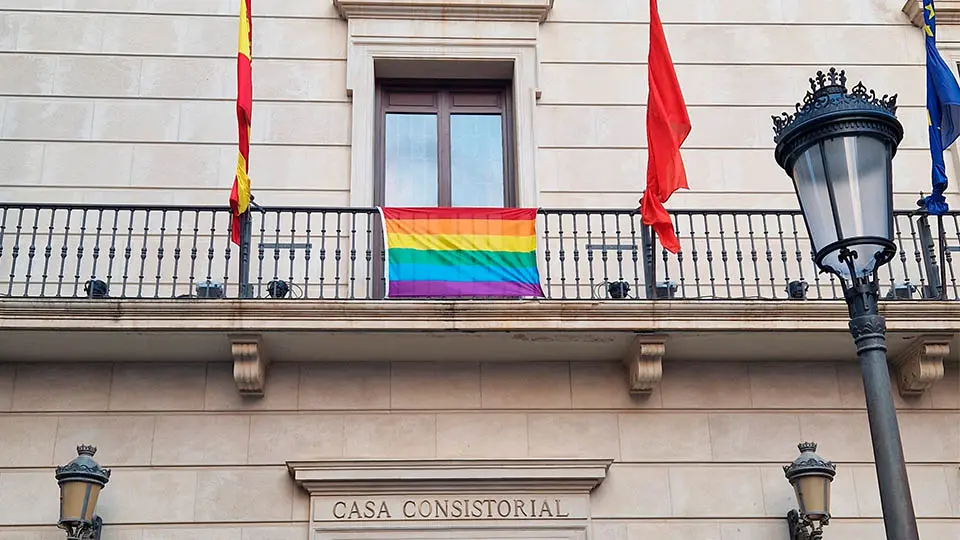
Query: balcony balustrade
column 165, row 252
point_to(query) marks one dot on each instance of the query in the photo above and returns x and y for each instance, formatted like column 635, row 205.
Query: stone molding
column 249, row 365
column 372, row 41
column 644, row 361
column 921, row 365
column 239, row 316
column 460, row 476
column 473, row 10
column 947, row 12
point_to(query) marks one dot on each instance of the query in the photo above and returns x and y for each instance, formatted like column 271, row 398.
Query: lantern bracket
column 89, row 531
column 803, row 529
column 95, row 528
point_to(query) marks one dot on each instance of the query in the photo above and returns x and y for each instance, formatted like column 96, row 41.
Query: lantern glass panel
column 813, row 496
column 859, row 174
column 78, row 500
column 811, row 184
column 845, row 186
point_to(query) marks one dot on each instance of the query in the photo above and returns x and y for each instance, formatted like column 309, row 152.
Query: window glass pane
column 476, row 160
column 411, row 160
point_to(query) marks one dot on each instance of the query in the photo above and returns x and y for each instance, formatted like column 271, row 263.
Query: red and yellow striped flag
column 240, row 194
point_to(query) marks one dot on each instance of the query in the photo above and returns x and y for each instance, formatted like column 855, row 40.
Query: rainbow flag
column 461, row 252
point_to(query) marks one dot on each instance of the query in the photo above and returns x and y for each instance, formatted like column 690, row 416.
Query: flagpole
column 246, row 233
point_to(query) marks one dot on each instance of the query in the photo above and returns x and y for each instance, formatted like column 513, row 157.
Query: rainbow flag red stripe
column 461, row 252
column 240, row 194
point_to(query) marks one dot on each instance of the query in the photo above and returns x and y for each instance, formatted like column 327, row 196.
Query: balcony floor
column 200, row 330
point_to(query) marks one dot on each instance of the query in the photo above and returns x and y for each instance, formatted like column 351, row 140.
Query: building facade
column 328, row 412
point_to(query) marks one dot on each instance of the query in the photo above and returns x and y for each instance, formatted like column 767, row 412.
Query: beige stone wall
column 132, row 101
column 699, row 459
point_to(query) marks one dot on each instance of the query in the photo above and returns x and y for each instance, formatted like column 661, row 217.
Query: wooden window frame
column 443, row 106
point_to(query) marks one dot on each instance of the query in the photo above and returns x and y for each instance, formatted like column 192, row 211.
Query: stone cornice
column 460, row 476
column 235, row 316
column 495, row 10
column 948, row 12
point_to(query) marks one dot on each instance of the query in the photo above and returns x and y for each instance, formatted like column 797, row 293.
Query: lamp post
column 810, row 475
column 838, row 148
column 80, row 483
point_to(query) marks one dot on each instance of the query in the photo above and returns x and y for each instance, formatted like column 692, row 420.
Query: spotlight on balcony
column 665, row 290
column 96, row 288
column 209, row 289
column 797, row 289
column 618, row 290
column 901, row 291
column 277, row 289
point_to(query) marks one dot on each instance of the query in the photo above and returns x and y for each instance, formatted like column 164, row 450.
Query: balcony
column 164, row 253
column 99, row 282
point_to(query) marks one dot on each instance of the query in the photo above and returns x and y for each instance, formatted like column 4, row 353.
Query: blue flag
column 943, row 111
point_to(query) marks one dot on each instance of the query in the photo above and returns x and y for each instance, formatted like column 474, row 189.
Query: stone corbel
column 947, row 12
column 644, row 361
column 920, row 366
column 913, row 9
column 249, row 365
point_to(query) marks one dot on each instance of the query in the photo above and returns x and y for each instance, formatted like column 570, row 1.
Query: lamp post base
column 868, row 329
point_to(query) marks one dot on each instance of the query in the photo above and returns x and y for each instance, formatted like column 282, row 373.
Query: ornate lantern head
column 838, row 148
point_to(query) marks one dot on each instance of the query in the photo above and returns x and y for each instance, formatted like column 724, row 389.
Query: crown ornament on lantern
column 86, row 450
column 807, row 447
column 828, row 94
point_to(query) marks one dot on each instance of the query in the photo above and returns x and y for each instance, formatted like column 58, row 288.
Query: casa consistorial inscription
column 547, row 498
column 444, row 507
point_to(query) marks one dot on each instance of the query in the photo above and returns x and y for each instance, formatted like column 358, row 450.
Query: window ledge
column 485, row 10
column 948, row 12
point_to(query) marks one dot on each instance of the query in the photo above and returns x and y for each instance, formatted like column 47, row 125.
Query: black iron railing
column 70, row 251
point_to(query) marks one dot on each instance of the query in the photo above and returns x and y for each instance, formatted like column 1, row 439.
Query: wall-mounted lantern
column 811, row 476
column 80, row 483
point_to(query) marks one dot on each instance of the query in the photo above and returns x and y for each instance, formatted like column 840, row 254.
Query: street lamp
column 810, row 475
column 838, row 148
column 80, row 483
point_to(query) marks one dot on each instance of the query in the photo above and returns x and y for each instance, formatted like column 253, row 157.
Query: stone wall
column 132, row 101
column 699, row 459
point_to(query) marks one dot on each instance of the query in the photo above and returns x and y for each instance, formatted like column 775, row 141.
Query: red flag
column 667, row 127
column 240, row 194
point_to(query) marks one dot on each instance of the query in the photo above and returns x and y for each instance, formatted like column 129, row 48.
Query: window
column 444, row 145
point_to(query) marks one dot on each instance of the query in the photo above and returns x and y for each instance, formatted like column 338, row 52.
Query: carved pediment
column 488, row 10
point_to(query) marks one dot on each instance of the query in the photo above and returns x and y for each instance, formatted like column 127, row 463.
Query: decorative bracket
column 802, row 528
column 644, row 361
column 948, row 12
column 921, row 364
column 249, row 365
column 913, row 9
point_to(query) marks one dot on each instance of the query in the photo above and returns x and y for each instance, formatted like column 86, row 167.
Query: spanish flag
column 240, row 194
